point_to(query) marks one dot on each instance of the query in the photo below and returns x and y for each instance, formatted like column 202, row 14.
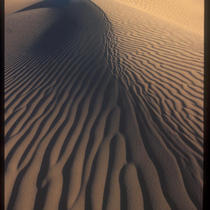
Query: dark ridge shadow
column 59, row 4
column 15, row 189
column 88, row 201
column 62, row 32
column 69, row 19
column 123, row 193
column 107, row 187
column 41, row 197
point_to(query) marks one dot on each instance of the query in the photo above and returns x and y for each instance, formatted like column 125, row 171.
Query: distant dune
column 186, row 13
column 104, row 105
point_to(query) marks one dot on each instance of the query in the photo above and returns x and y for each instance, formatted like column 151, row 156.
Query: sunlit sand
column 103, row 105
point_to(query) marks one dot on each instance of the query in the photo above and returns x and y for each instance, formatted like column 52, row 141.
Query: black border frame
column 206, row 102
column 2, row 24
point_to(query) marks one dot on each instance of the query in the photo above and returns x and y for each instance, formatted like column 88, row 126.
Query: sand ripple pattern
column 110, row 120
column 161, row 66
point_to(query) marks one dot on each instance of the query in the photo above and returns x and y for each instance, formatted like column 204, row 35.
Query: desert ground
column 104, row 104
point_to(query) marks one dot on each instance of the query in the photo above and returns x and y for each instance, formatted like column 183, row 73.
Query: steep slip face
column 95, row 115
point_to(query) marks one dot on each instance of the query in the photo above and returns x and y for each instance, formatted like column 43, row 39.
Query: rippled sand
column 104, row 105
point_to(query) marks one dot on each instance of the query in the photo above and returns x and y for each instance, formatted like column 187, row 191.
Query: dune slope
column 103, row 109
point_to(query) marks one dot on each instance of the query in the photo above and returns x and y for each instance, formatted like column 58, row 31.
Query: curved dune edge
column 102, row 115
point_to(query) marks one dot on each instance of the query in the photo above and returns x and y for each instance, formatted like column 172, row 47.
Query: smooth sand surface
column 103, row 105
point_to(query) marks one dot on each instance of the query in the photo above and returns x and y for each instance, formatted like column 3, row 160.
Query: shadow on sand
column 59, row 4
column 70, row 18
column 86, row 25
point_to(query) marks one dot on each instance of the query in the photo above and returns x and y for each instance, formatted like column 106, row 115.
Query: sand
column 103, row 105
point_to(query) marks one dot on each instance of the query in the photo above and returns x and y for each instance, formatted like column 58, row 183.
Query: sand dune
column 103, row 106
column 188, row 14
